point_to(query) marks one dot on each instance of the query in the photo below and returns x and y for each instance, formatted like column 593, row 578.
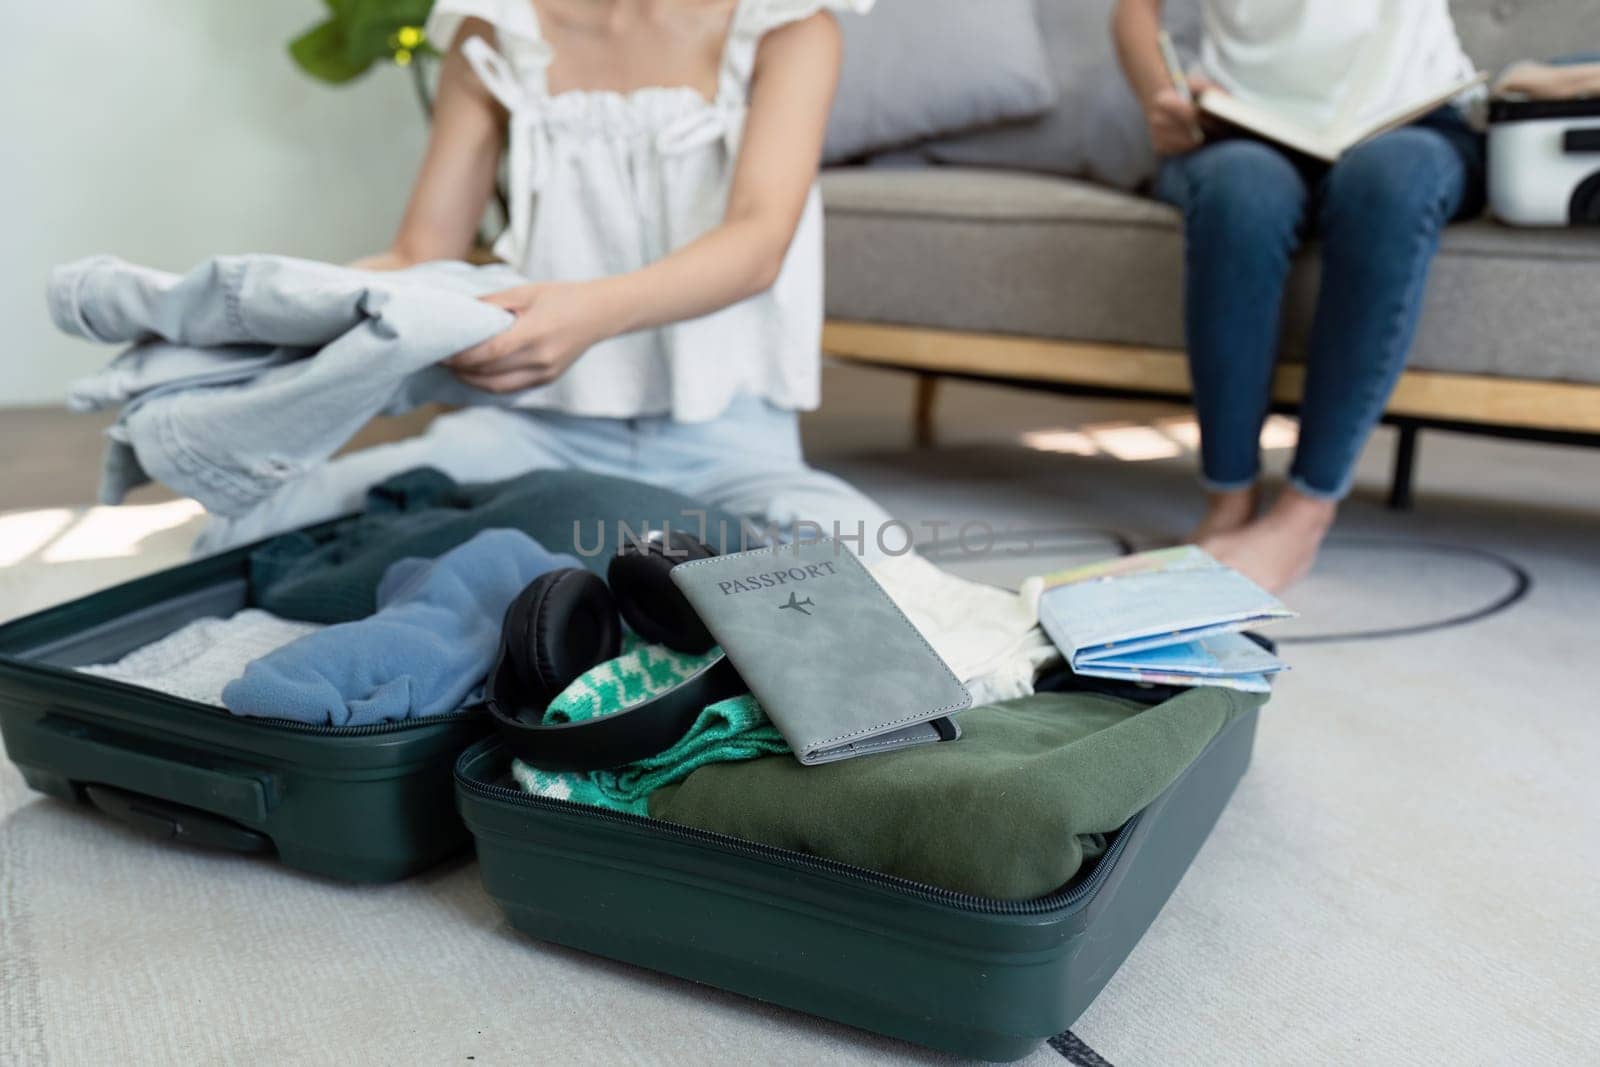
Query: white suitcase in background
column 1544, row 161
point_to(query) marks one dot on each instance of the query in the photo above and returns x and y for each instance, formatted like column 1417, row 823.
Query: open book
column 1327, row 143
column 1170, row 616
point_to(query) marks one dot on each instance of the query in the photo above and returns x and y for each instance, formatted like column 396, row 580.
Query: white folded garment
column 196, row 661
column 990, row 637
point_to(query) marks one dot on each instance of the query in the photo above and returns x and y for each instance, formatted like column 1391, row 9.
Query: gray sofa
column 1062, row 283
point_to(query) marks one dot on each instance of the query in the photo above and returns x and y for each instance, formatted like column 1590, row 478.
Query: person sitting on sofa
column 662, row 160
column 1248, row 204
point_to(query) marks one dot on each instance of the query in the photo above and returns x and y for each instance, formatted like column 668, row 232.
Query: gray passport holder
column 836, row 665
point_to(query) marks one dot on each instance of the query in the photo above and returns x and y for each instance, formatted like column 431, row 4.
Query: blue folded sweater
column 425, row 652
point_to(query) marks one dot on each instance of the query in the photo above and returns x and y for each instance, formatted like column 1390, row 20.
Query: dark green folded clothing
column 333, row 576
column 1010, row 811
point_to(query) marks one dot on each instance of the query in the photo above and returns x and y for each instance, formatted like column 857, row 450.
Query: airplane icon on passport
column 797, row 604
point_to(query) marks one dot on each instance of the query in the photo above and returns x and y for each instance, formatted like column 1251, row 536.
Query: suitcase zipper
column 1073, row 894
column 364, row 730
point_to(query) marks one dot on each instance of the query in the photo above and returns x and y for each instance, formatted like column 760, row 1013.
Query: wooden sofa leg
column 922, row 412
column 1405, row 467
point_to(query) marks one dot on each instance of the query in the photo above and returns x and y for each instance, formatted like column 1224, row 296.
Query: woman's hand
column 556, row 323
column 1174, row 122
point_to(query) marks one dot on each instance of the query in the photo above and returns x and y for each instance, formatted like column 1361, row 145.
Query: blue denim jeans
column 1247, row 207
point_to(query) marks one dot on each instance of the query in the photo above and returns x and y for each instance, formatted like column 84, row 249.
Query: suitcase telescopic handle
column 89, row 755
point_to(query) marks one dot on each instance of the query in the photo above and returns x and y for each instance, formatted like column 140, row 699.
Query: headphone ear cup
column 650, row 602
column 562, row 624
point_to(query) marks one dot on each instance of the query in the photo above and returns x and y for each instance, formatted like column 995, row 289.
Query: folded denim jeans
column 249, row 370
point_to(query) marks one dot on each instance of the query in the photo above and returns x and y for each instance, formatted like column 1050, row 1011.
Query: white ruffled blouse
column 604, row 182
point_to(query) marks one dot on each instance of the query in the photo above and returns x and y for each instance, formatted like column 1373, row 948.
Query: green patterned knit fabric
column 733, row 729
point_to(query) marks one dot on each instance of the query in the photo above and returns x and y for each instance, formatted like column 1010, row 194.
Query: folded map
column 1171, row 616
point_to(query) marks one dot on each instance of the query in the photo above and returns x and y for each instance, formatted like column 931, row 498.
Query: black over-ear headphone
column 565, row 622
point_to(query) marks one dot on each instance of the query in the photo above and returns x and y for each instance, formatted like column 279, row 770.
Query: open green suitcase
column 976, row 977
column 361, row 804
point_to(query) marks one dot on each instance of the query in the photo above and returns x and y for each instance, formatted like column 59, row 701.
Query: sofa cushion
column 1006, row 252
column 918, row 69
column 1496, row 33
column 1097, row 130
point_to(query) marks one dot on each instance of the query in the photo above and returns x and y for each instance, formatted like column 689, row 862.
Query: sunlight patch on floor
column 22, row 533
column 1134, row 442
column 1065, row 442
column 1163, row 438
column 67, row 535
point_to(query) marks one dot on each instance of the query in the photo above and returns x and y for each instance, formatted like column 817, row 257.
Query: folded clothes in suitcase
column 954, row 970
column 365, row 803
column 963, row 973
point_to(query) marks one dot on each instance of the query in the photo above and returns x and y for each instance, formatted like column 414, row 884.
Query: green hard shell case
column 962, row 974
column 358, row 804
column 975, row 977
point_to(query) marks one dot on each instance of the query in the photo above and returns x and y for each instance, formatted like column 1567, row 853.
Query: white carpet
column 1407, row 874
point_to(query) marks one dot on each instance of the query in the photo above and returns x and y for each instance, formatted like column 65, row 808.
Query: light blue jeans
column 747, row 461
column 222, row 402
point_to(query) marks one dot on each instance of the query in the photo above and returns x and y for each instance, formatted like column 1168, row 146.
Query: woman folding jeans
column 1249, row 205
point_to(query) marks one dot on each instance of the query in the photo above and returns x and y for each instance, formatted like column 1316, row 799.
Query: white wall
column 164, row 131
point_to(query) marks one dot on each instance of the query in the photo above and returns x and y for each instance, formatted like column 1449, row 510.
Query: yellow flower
column 409, row 37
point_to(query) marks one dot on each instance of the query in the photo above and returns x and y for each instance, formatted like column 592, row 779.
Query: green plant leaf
column 372, row 25
column 356, row 34
column 324, row 52
column 368, row 18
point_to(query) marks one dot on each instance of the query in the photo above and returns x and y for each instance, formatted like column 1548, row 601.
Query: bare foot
column 1278, row 549
column 1226, row 512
